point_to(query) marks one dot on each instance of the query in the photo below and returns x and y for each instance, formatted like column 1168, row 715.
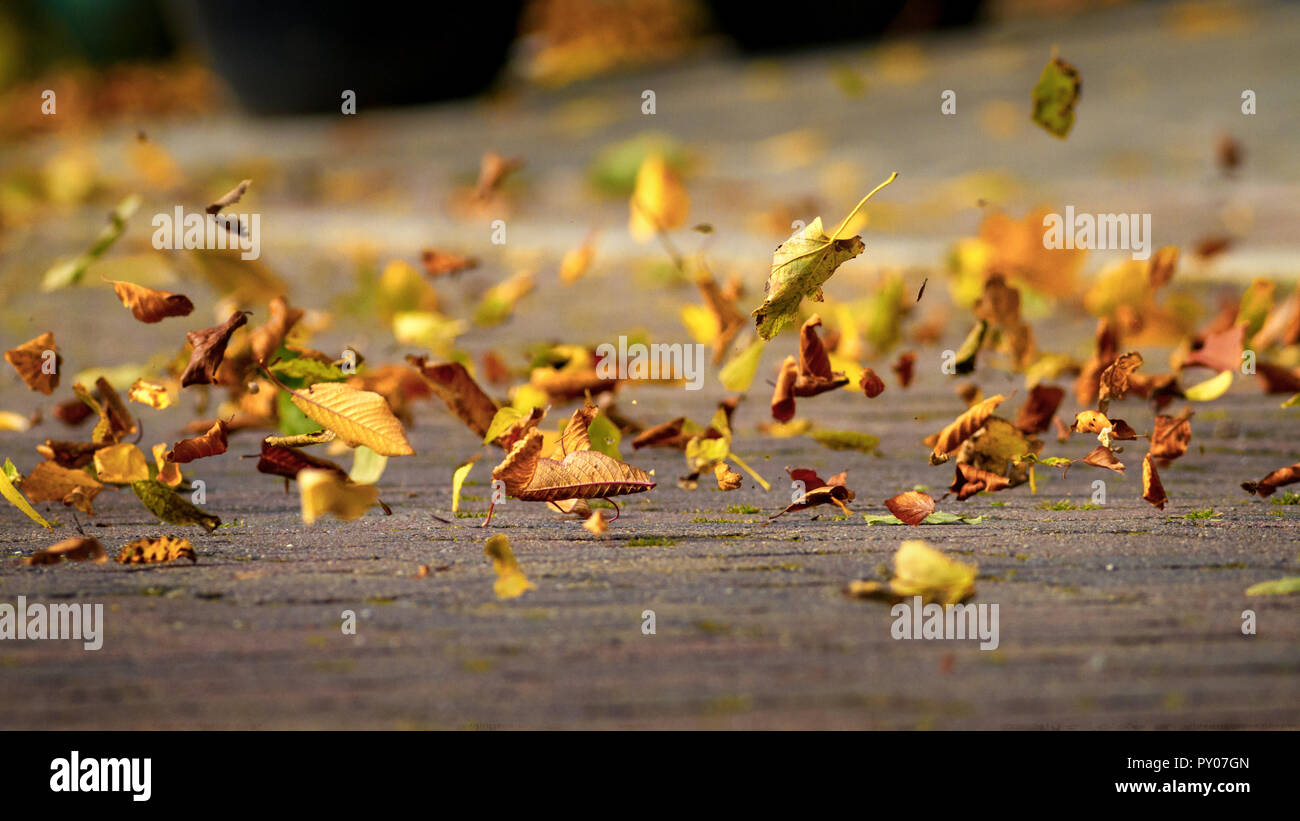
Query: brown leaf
column 1213, row 245
column 1105, row 349
column 230, row 197
column 1278, row 379
column 1221, row 351
column 50, row 482
column 464, row 398
column 209, row 350
column 904, row 368
column 818, row 491
column 871, row 384
column 723, row 306
column 815, row 375
column 440, row 263
column 281, row 460
column 666, row 435
column 40, row 372
column 73, row 550
column 1103, row 457
column 783, row 394
column 962, row 428
column 1113, row 383
column 266, row 339
column 1264, row 487
column 72, row 412
column 727, row 478
column 68, row 454
column 1035, row 416
column 156, row 550
column 970, row 480
column 1162, row 266
column 1171, row 436
column 1152, row 490
column 151, row 305
column 212, row 443
column 911, row 507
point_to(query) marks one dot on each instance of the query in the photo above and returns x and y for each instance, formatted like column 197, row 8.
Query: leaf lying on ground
column 911, row 507
column 322, row 492
column 511, row 583
column 464, row 398
column 801, row 265
column 1152, row 490
column 72, row 550
column 38, row 370
column 1055, row 96
column 69, row 273
column 121, row 464
column 150, row 305
column 936, row 518
column 155, row 550
column 817, row 491
column 212, row 443
column 921, row 570
column 209, row 350
column 16, row 498
column 1264, row 487
column 358, row 417
column 164, row 503
column 1276, row 587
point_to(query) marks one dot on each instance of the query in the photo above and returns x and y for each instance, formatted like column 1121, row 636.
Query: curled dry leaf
column 1171, row 436
column 871, row 384
column 68, row 454
column 904, row 368
column 155, row 550
column 150, row 305
column 659, row 201
column 72, row 550
column 815, row 375
column 266, row 339
column 1264, row 487
column 1221, row 350
column 1152, row 490
column 1103, row 457
column 818, row 491
column 282, row 460
column 783, row 394
column 38, row 363
column 209, row 350
column 727, row 478
column 50, row 482
column 121, row 464
column 970, row 480
column 230, row 197
column 911, row 507
column 511, row 583
column 441, row 263
column 149, row 393
column 212, row 443
column 464, row 398
column 169, row 473
column 1114, row 380
column 670, row 434
column 1035, row 416
column 1055, row 96
column 962, row 428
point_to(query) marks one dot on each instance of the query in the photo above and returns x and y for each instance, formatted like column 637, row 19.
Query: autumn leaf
column 322, row 492
column 871, row 384
column 499, row 301
column 1171, row 436
column 229, row 198
column 72, row 550
column 121, row 464
column 464, row 398
column 1276, row 587
column 212, row 443
column 150, row 305
column 845, row 440
column 358, row 417
column 596, row 523
column 921, row 570
column 717, row 322
column 970, row 480
column 266, row 339
column 1266, row 486
column 1035, row 416
column 168, row 473
column 801, row 265
column 1221, row 350
column 659, row 201
column 38, row 368
column 727, row 478
column 168, row 506
column 911, row 507
column 16, row 498
column 1152, row 490
column 738, row 374
column 1210, row 389
column 458, row 481
column 149, row 393
column 1103, row 457
column 816, row 491
column 511, row 583
column 70, row 272
column 288, row 461
column 962, row 428
column 155, row 550
column 209, row 350
column 904, row 368
column 49, row 482
column 1055, row 96
column 1113, row 382
column 576, row 261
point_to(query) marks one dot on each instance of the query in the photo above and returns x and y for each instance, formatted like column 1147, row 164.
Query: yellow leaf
column 458, row 481
column 920, row 570
column 150, row 393
column 659, row 200
column 121, row 464
column 169, row 473
column 15, row 498
column 324, row 492
column 358, row 417
column 1210, row 389
column 511, row 581
column 576, row 262
column 155, row 550
column 14, row 421
column 738, row 374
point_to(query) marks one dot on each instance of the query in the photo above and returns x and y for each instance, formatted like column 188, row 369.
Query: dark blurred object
column 106, row 33
column 296, row 56
column 778, row 27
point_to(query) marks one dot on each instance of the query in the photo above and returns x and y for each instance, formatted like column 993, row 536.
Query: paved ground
column 1118, row 617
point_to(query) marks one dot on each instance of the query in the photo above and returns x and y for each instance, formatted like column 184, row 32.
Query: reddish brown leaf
column 911, row 506
column 212, row 443
column 1152, row 490
column 209, row 350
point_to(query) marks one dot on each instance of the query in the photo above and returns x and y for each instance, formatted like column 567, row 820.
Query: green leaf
column 738, row 374
column 164, row 503
column 505, row 417
column 367, row 466
column 293, row 422
column 308, row 370
column 1277, row 587
column 71, row 271
column 605, row 436
column 1055, row 95
column 846, row 440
